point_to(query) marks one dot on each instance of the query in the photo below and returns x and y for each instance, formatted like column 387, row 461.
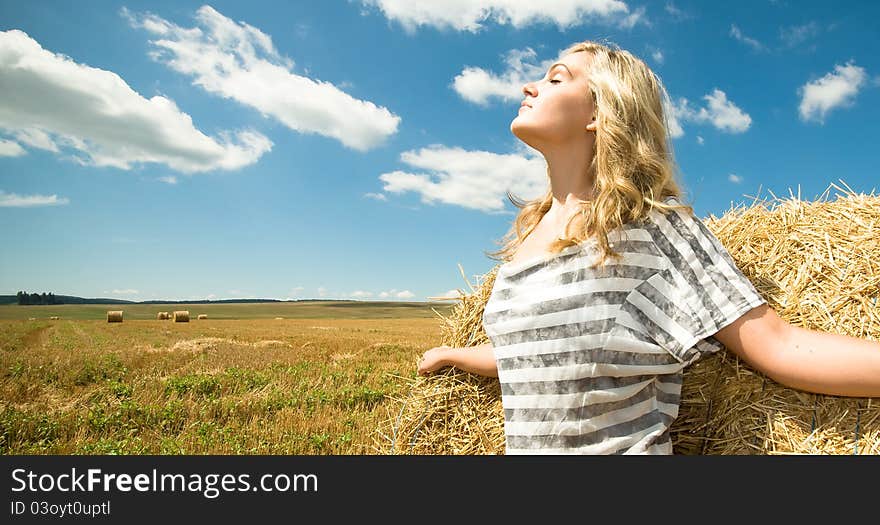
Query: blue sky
column 362, row 149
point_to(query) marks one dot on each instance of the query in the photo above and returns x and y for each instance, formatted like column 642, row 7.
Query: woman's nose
column 529, row 89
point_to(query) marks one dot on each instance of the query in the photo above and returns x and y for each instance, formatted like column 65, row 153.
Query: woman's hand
column 434, row 359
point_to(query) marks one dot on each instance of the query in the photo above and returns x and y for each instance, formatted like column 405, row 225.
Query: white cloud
column 834, row 90
column 14, row 200
column 396, row 294
column 360, row 294
column 737, row 34
column 51, row 102
column 210, row 296
column 700, row 140
column 127, row 291
column 734, row 178
column 657, row 55
column 447, row 295
column 629, row 21
column 469, row 15
column 10, row 148
column 169, row 179
column 36, row 138
column 322, row 292
column 477, row 85
column 239, row 62
column 719, row 112
column 674, row 128
column 471, row 179
column 377, row 196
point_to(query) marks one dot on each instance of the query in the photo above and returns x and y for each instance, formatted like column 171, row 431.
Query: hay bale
column 32, row 318
column 181, row 316
column 203, row 316
column 114, row 316
column 161, row 316
column 814, row 263
column 54, row 318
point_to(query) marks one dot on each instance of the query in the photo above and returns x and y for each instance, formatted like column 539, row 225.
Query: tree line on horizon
column 37, row 298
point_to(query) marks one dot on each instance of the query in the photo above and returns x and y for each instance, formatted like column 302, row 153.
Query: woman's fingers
column 431, row 360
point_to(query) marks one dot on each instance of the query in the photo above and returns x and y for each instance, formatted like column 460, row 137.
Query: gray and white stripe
column 590, row 361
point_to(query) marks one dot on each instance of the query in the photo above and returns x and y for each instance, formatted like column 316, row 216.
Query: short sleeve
column 699, row 292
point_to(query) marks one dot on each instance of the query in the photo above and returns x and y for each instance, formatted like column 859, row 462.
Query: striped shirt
column 590, row 361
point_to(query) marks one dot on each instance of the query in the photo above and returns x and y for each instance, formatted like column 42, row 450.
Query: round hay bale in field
column 54, row 318
column 181, row 316
column 114, row 316
column 203, row 316
column 816, row 265
column 32, row 318
column 161, row 316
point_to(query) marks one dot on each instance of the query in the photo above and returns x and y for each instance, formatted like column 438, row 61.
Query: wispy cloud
column 239, row 62
column 14, row 200
column 676, row 13
column 656, row 54
column 794, row 36
column 734, row 178
column 736, row 33
column 471, row 15
column 477, row 180
column 377, row 196
column 836, row 89
column 170, row 179
column 127, row 291
column 52, row 103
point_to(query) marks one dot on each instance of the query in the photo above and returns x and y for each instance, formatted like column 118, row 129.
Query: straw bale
column 203, row 316
column 54, row 318
column 114, row 316
column 181, row 316
column 816, row 264
column 163, row 316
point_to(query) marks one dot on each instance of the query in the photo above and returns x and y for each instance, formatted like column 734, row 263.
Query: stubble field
column 318, row 381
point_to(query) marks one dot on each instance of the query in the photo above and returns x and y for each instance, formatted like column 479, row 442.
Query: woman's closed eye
column 555, row 81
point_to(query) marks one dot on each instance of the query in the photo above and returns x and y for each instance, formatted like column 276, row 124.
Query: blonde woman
column 611, row 285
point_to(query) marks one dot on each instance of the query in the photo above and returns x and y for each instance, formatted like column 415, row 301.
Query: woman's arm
column 809, row 360
column 476, row 359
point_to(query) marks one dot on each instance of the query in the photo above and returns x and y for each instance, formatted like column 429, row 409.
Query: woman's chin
column 522, row 132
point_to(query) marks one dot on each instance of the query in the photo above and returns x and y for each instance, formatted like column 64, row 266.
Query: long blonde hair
column 633, row 162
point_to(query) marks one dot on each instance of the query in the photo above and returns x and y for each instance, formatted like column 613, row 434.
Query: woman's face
column 558, row 107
